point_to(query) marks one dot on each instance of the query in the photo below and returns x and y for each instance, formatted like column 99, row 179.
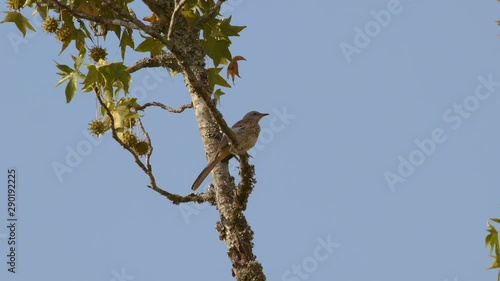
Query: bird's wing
column 224, row 142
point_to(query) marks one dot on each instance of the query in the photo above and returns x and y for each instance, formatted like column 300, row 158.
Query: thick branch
column 163, row 60
column 79, row 14
column 148, row 29
column 247, row 183
column 159, row 10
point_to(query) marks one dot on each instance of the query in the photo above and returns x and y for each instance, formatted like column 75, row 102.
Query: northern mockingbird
column 246, row 130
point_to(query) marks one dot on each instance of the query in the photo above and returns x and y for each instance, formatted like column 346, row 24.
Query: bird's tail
column 203, row 175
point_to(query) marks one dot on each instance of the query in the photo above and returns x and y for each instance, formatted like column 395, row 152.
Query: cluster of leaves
column 494, row 245
column 215, row 39
column 111, row 80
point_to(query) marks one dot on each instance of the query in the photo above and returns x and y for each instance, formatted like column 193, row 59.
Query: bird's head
column 255, row 115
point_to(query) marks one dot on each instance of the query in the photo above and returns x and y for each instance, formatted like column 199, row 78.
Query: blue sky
column 417, row 100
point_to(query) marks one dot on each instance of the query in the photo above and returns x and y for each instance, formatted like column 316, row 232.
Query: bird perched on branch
column 246, row 131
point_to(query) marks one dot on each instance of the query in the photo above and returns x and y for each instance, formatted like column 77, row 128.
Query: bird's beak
column 262, row 115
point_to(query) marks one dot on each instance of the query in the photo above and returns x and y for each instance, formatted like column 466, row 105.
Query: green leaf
column 64, row 46
column 108, row 94
column 71, row 87
column 217, row 94
column 21, row 22
column 116, row 72
column 129, row 102
column 80, row 40
column 215, row 79
column 230, row 30
column 490, row 227
column 150, row 45
column 495, row 264
column 42, row 11
column 93, row 77
column 126, row 40
column 116, row 29
column 120, row 114
column 217, row 50
column 206, row 5
column 192, row 16
column 79, row 60
column 87, row 32
column 64, row 68
column 495, row 220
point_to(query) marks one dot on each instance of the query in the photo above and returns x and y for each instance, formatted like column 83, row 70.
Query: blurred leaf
column 495, row 264
column 217, row 94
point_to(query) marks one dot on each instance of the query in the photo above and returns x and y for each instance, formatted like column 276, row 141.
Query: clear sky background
column 338, row 125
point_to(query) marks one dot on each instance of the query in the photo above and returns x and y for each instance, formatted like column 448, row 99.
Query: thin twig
column 150, row 145
column 178, row 8
column 166, row 107
column 176, row 199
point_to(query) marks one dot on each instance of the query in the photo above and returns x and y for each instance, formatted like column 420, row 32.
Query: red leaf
column 232, row 68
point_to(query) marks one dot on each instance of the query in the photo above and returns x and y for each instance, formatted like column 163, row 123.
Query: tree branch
column 79, row 14
column 176, row 199
column 166, row 107
column 247, row 183
column 140, row 25
column 163, row 60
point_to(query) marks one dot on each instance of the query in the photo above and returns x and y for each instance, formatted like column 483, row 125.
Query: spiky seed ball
column 15, row 4
column 97, row 53
column 129, row 123
column 96, row 127
column 129, row 139
column 63, row 34
column 141, row 148
column 50, row 25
